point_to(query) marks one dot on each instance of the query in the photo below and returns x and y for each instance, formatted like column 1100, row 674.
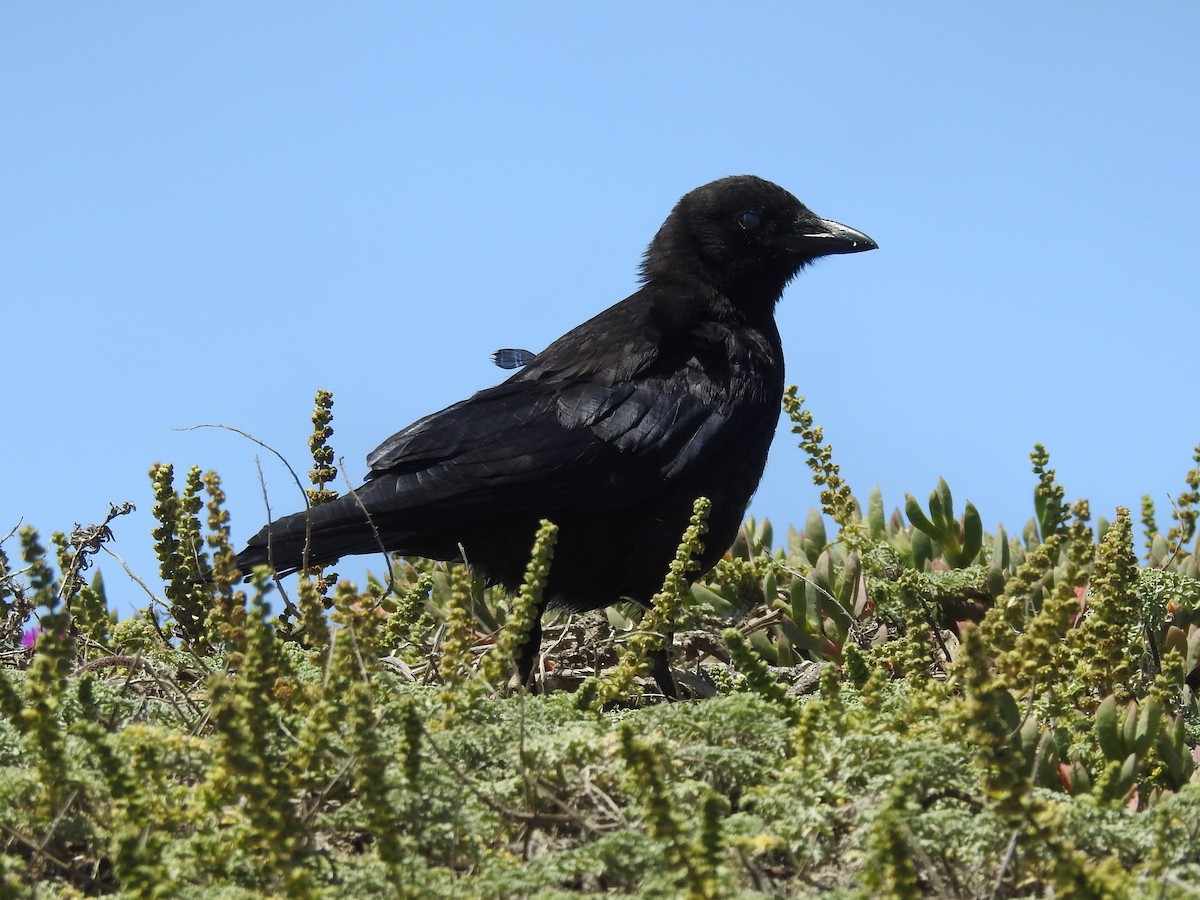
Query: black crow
column 611, row 432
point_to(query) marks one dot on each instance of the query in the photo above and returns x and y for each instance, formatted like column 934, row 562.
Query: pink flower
column 29, row 636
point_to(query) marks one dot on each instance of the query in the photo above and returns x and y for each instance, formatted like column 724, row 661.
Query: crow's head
column 746, row 237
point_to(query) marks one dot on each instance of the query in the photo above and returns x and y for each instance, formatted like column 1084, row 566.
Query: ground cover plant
column 898, row 705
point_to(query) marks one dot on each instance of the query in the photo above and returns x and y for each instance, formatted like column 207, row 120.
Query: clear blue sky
column 209, row 211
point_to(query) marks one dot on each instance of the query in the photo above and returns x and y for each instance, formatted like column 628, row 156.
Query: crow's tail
column 314, row 537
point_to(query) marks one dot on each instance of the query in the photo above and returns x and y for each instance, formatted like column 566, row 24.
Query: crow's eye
column 749, row 220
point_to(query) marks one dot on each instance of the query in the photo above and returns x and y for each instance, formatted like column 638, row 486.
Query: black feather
column 511, row 358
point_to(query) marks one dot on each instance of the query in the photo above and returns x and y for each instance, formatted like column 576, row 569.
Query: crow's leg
column 660, row 668
column 528, row 653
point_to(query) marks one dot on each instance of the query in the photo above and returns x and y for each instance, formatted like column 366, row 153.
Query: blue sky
column 208, row 212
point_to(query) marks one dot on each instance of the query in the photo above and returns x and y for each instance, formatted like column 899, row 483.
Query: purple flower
column 29, row 636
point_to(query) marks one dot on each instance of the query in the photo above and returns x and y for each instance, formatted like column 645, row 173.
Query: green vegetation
column 905, row 706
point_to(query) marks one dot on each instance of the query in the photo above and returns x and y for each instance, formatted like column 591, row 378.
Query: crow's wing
column 576, row 430
column 522, row 447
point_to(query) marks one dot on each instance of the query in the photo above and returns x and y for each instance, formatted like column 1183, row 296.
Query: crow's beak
column 821, row 237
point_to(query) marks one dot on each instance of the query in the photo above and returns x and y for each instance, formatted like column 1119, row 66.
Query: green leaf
column 922, row 550
column 946, row 503
column 1175, row 639
column 1128, row 776
column 814, row 529
column 1030, row 534
column 784, row 652
column 1159, row 549
column 1039, row 512
column 770, row 586
column 1193, row 648
column 809, row 642
column 806, row 606
column 917, row 517
column 998, row 565
column 822, row 571
column 1010, row 713
column 972, row 531
column 861, row 598
column 1129, row 726
column 848, row 578
column 1175, row 754
column 763, row 646
column 795, row 542
column 1148, row 725
column 876, row 521
column 838, row 615
column 1078, row 779
column 740, row 549
column 1029, row 738
column 764, row 535
column 937, row 514
column 1107, row 732
column 706, row 599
